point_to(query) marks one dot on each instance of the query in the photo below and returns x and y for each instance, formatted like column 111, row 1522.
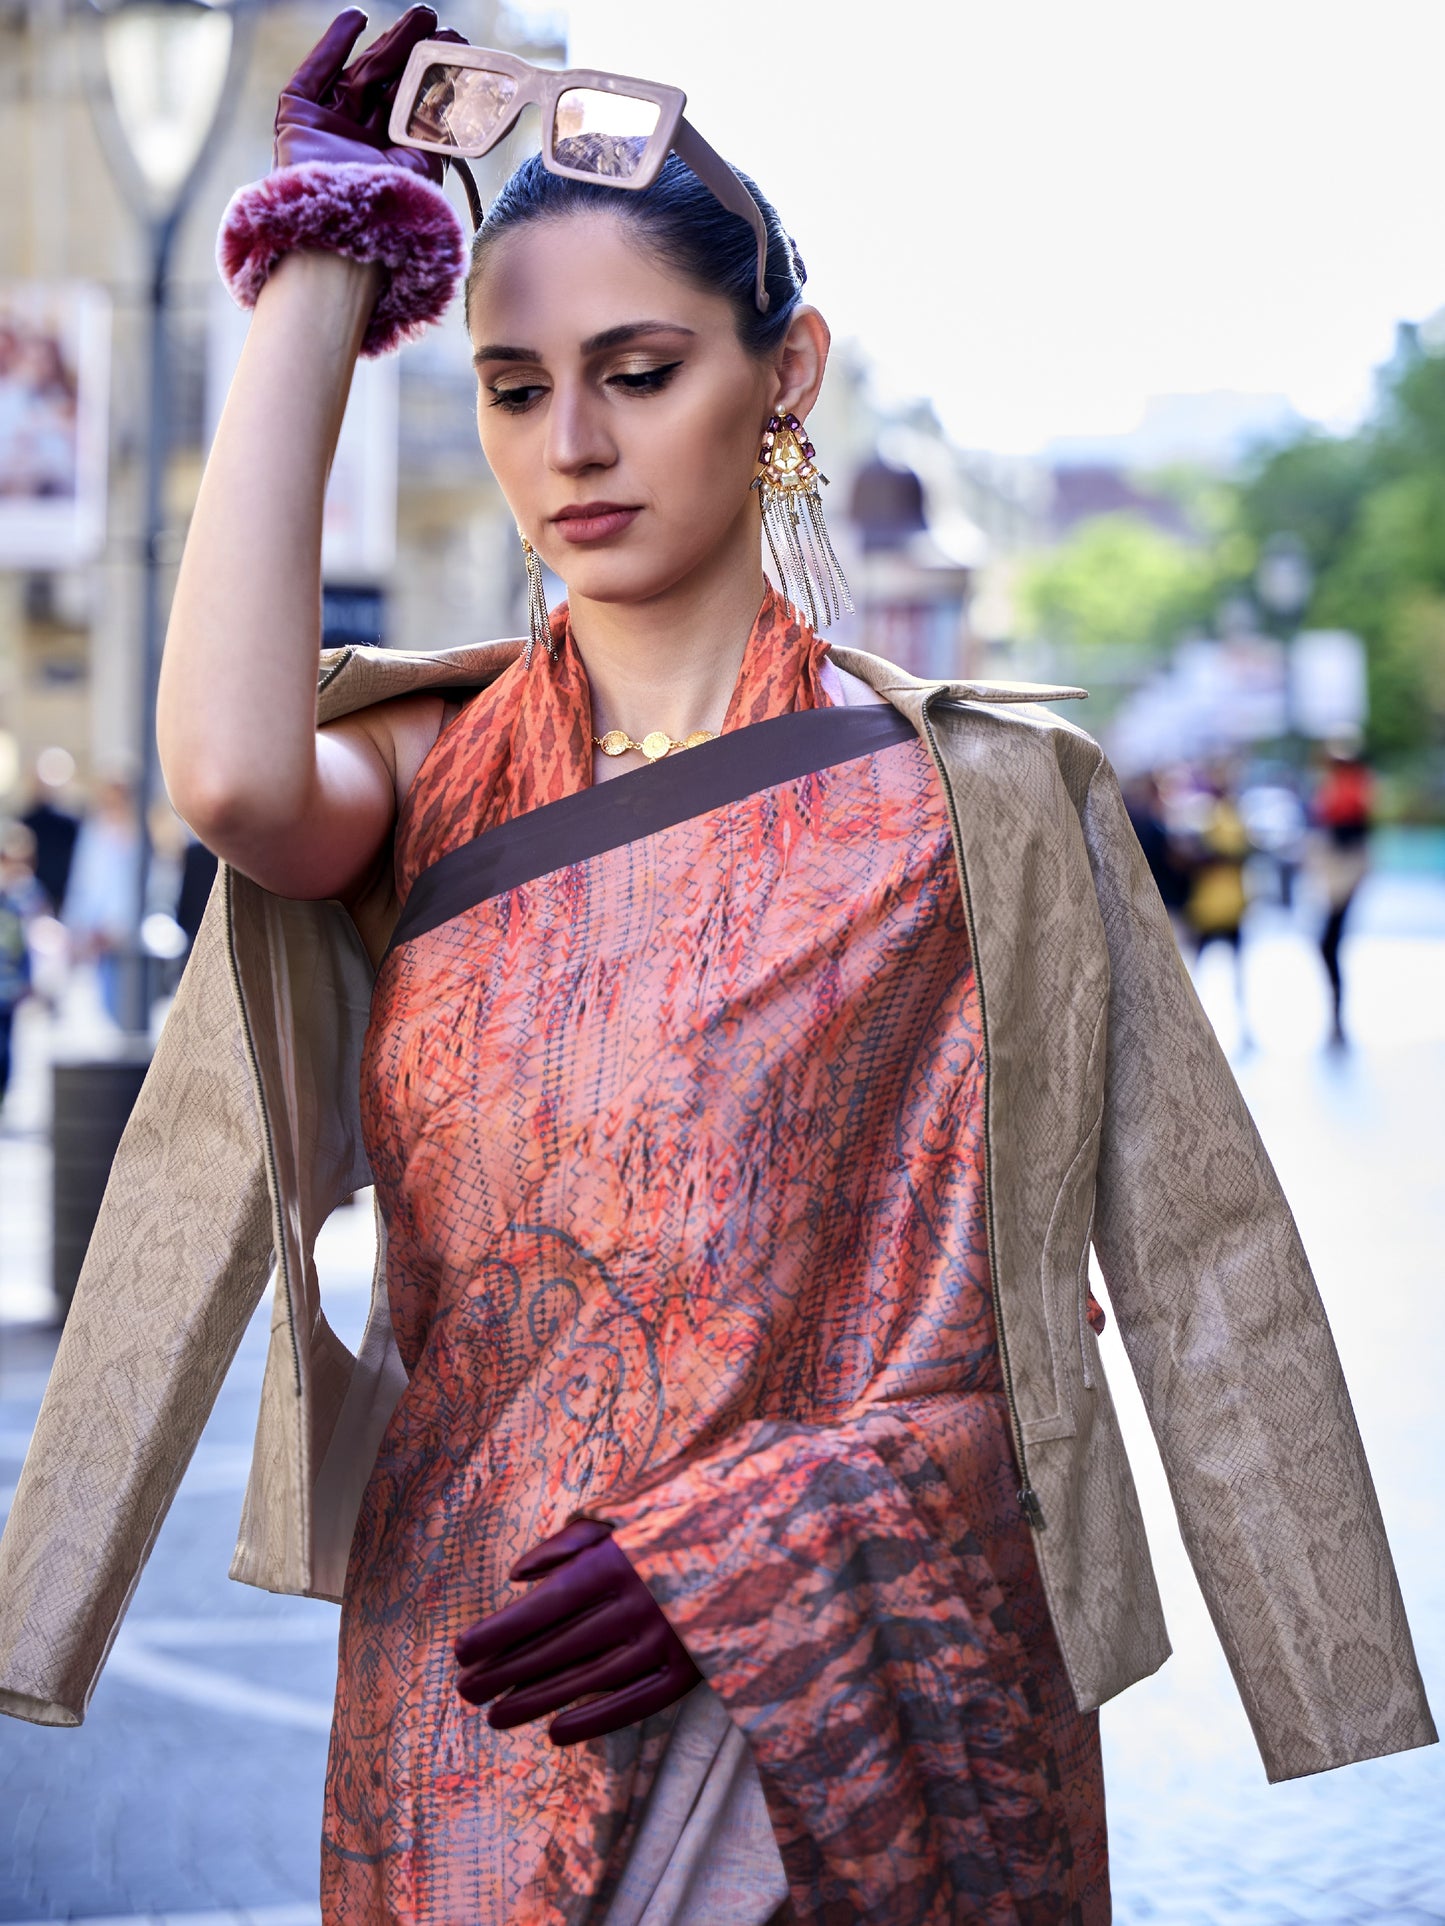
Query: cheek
column 704, row 461
column 509, row 455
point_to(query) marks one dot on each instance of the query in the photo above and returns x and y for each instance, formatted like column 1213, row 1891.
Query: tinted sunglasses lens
column 603, row 134
column 466, row 107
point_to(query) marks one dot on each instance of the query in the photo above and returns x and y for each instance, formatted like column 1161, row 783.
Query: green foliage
column 1117, row 584
column 1370, row 511
column 1310, row 488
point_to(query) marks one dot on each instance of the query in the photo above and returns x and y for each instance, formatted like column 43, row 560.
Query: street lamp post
column 161, row 76
column 1284, row 583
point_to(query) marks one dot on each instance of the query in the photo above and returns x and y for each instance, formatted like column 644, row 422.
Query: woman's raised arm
column 302, row 812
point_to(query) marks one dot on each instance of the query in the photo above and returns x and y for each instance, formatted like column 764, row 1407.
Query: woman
column 730, row 1423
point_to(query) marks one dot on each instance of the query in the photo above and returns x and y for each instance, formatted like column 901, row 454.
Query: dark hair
column 683, row 222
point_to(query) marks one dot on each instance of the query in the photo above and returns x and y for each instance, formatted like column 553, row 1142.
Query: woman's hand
column 590, row 1626
column 331, row 112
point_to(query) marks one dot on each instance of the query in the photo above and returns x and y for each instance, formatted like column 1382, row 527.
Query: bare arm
column 305, row 813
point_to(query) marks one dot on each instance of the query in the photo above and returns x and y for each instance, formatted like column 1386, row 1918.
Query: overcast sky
column 1042, row 212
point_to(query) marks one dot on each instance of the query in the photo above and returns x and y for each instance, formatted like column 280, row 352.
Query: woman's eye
column 515, row 400
column 648, row 380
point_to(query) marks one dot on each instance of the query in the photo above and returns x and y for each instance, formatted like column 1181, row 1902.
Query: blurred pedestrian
column 99, row 905
column 1217, row 900
column 1144, row 800
column 1342, row 814
column 54, row 827
column 21, row 901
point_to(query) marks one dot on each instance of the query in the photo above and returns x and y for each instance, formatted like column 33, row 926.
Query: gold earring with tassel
column 809, row 573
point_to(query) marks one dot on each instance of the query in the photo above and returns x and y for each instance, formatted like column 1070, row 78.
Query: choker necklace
column 654, row 746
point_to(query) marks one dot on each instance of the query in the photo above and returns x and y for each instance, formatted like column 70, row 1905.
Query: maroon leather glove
column 331, row 112
column 591, row 1625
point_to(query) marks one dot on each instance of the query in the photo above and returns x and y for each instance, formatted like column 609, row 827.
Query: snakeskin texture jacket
column 1112, row 1120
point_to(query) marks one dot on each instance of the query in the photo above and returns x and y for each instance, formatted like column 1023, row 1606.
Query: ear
column 802, row 359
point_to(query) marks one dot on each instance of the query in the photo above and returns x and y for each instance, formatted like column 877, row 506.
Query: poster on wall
column 358, row 531
column 54, row 398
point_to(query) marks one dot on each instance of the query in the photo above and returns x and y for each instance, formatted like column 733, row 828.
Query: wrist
column 390, row 222
column 337, row 296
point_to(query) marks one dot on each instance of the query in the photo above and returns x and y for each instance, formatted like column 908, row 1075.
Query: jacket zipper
column 253, row 1064
column 1028, row 1498
column 268, row 1141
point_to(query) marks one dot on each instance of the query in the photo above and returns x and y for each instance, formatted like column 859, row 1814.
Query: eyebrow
column 594, row 344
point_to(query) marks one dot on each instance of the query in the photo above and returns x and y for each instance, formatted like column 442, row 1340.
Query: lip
column 593, row 521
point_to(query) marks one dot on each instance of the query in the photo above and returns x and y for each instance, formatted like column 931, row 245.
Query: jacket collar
column 887, row 679
column 354, row 678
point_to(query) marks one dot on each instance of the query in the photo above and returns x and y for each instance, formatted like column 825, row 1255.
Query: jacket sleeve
column 178, row 1261
column 840, row 1587
column 1229, row 1341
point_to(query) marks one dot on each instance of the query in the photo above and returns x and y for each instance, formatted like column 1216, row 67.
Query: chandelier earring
column 809, row 573
column 539, row 621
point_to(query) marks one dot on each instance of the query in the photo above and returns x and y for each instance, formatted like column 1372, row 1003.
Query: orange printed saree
column 679, row 1235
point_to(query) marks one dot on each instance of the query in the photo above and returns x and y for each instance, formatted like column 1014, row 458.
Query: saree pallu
column 681, row 1235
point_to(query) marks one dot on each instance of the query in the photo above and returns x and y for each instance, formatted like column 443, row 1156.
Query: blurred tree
column 1311, row 488
column 1370, row 511
column 1116, row 584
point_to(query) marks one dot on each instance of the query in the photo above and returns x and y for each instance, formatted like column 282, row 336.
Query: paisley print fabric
column 680, row 1153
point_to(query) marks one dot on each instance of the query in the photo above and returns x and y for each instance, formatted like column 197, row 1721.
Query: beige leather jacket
column 1112, row 1118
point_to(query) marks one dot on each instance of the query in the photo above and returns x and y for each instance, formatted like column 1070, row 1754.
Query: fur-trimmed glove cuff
column 386, row 215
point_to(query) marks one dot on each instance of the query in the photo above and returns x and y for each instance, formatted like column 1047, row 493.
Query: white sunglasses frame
column 543, row 87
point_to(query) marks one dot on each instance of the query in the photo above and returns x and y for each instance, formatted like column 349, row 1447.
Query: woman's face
column 609, row 384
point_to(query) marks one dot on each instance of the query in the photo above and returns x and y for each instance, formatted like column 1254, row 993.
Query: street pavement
column 193, row 1791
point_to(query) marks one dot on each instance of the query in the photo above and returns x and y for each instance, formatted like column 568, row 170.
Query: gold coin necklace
column 655, row 745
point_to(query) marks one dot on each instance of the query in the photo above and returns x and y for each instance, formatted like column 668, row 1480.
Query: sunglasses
column 460, row 101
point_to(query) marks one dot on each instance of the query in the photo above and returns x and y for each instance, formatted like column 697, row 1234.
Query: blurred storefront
column 420, row 549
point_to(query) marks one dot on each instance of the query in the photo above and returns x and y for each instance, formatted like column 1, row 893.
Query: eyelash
column 648, row 381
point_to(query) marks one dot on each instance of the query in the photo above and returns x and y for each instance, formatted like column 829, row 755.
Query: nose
column 578, row 436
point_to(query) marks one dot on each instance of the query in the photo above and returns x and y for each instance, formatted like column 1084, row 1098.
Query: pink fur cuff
column 383, row 214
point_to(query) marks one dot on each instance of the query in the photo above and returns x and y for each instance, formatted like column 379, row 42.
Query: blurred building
column 420, row 550
column 447, row 569
column 1080, row 493
column 917, row 555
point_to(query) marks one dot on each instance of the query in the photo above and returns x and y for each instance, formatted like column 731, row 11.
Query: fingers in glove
column 625, row 1666
column 620, row 1708
column 321, row 68
column 384, row 59
column 590, row 1578
column 579, row 1536
column 581, row 1641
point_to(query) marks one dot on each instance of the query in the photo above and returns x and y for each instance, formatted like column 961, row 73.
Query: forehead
column 555, row 282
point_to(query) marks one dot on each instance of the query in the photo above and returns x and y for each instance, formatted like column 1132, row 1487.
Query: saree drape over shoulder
column 673, row 1094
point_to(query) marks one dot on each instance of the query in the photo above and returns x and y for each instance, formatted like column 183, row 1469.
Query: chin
column 620, row 577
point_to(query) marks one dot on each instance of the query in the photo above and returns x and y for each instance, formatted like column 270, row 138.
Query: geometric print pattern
column 527, row 739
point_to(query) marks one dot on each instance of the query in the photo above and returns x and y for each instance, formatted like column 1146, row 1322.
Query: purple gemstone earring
column 808, row 571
